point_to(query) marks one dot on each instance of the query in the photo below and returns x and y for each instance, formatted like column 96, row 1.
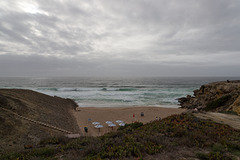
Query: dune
column 21, row 109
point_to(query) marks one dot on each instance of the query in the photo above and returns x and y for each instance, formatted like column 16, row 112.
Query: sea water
column 113, row 92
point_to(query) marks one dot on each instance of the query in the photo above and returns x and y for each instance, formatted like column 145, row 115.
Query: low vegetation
column 217, row 103
column 229, row 112
column 210, row 140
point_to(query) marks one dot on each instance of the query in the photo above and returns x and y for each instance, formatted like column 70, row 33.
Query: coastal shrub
column 193, row 131
column 79, row 143
column 236, row 153
column 11, row 155
column 214, row 156
column 234, row 147
column 52, row 140
column 202, row 156
column 229, row 112
column 93, row 148
column 137, row 140
column 217, row 103
column 218, row 147
column 131, row 126
column 42, row 152
column 152, row 148
column 219, row 156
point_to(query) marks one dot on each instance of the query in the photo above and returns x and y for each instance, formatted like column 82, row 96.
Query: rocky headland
column 218, row 96
column 24, row 115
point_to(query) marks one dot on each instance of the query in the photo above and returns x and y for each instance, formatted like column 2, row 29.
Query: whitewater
column 113, row 92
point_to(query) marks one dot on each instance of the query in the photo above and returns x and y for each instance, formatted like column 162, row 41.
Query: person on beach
column 86, row 129
column 133, row 120
column 89, row 120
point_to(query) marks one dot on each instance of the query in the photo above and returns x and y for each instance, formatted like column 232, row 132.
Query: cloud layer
column 135, row 37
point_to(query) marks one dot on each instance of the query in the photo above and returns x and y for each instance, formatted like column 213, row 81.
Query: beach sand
column 125, row 114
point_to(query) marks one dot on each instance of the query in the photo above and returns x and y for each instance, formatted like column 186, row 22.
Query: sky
column 119, row 38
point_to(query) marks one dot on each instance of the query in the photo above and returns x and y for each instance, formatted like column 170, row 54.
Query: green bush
column 217, row 103
column 131, row 126
column 79, row 143
column 234, row 147
column 219, row 156
column 229, row 112
column 218, row 147
column 10, row 155
column 42, row 152
column 52, row 140
column 202, row 156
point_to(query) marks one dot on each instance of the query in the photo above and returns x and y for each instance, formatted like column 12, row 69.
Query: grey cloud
column 38, row 65
column 53, row 39
column 112, row 37
column 52, row 66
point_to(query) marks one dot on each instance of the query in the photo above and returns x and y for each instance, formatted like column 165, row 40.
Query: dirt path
column 231, row 120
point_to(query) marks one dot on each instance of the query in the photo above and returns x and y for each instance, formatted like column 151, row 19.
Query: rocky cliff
column 217, row 96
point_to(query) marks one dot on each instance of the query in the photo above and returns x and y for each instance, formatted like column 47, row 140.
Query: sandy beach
column 126, row 114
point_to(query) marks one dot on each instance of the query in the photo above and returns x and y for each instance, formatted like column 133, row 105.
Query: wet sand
column 125, row 114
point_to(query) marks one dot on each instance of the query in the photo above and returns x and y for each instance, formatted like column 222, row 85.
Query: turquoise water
column 111, row 92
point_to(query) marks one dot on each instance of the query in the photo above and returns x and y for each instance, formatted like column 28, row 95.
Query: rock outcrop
column 217, row 96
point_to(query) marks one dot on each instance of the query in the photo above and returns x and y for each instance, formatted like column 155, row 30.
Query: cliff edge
column 217, row 96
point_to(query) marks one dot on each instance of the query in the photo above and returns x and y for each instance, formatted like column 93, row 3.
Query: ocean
column 114, row 92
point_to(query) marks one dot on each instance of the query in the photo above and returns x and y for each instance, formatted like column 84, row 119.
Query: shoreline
column 126, row 106
column 128, row 114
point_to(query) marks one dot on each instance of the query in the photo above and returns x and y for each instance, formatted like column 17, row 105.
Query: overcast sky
column 120, row 38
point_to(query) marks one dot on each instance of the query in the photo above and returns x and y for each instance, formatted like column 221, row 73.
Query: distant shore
column 86, row 115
